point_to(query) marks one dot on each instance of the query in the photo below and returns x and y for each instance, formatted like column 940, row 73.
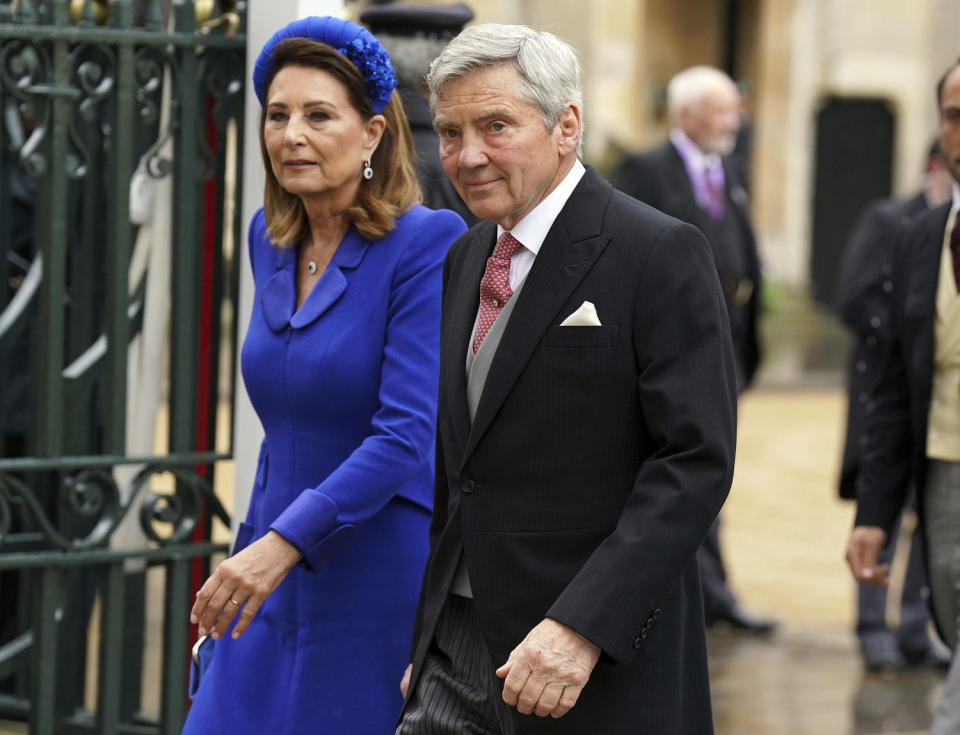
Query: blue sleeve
column 402, row 430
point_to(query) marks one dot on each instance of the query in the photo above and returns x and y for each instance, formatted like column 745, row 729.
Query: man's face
column 495, row 148
column 950, row 123
column 713, row 122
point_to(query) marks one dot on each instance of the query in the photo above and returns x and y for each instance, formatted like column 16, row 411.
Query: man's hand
column 547, row 671
column 405, row 681
column 862, row 549
column 244, row 580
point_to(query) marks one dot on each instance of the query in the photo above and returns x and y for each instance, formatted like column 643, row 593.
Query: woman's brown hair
column 393, row 188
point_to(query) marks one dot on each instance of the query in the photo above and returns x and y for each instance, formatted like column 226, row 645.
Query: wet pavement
column 784, row 531
column 809, row 682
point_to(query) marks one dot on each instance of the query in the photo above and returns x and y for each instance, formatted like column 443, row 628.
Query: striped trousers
column 457, row 692
column 942, row 520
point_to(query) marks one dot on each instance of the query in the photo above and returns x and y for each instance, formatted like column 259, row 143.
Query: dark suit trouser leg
column 872, row 601
column 457, row 692
column 717, row 597
column 912, row 634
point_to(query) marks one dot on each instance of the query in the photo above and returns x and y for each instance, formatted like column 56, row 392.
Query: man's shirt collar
column 532, row 230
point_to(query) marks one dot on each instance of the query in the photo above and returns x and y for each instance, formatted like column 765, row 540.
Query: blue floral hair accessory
column 353, row 41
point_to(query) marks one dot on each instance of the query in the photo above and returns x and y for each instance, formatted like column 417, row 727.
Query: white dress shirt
column 532, row 230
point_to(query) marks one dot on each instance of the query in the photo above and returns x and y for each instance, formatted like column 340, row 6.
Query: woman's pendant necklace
column 311, row 267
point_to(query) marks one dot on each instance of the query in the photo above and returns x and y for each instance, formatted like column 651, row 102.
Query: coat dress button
column 468, row 486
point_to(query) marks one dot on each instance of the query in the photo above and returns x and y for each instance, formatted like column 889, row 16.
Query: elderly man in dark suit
column 914, row 431
column 864, row 281
column 692, row 178
column 586, row 425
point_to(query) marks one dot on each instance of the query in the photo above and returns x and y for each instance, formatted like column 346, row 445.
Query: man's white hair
column 547, row 66
column 687, row 88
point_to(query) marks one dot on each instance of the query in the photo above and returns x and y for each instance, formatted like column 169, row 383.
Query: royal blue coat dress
column 346, row 389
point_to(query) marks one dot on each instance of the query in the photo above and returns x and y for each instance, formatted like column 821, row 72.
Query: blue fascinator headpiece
column 353, row 41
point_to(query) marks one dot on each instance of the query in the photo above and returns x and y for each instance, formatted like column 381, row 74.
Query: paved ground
column 784, row 533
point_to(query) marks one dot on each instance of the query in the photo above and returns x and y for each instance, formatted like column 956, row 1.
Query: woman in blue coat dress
column 312, row 614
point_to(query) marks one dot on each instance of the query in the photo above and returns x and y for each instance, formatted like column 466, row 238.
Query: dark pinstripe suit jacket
column 597, row 460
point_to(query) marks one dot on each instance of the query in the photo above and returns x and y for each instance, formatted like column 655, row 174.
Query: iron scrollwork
column 24, row 67
column 94, row 496
column 152, row 65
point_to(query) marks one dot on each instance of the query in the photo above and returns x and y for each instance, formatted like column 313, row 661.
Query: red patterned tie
column 955, row 252
column 495, row 288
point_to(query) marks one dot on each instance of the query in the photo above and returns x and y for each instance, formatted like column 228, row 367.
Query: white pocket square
column 585, row 316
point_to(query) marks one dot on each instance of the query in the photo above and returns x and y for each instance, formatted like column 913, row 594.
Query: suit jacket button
column 468, row 486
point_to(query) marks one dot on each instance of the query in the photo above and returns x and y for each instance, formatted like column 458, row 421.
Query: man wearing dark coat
column 693, row 178
column 586, row 427
column 914, row 429
column 864, row 281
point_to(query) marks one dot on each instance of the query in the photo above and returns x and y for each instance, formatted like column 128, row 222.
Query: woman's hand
column 244, row 580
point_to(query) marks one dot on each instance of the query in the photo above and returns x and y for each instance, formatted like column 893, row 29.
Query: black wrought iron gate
column 120, row 130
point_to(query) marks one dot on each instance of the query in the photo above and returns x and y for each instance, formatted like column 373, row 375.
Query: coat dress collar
column 279, row 296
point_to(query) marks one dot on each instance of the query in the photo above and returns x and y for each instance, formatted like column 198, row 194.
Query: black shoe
column 927, row 658
column 741, row 619
column 882, row 654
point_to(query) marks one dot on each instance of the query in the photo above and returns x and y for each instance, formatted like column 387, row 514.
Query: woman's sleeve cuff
column 310, row 524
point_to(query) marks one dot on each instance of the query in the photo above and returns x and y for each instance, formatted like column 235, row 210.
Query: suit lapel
column 735, row 193
column 570, row 249
column 460, row 310
column 925, row 278
column 921, row 269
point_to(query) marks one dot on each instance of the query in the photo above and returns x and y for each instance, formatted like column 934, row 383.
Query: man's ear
column 571, row 128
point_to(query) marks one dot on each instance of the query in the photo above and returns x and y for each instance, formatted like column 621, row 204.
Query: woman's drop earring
column 367, row 170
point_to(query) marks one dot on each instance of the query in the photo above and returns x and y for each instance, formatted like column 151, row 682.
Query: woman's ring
column 234, row 602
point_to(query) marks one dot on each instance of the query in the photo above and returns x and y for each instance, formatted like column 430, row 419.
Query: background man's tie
column 714, row 179
column 955, row 252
